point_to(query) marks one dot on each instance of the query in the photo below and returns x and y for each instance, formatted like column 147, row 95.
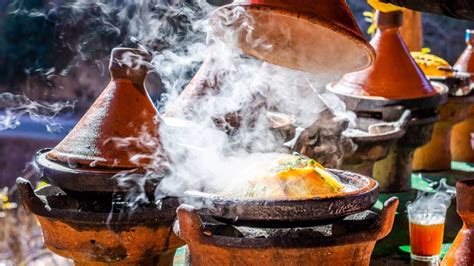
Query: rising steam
column 228, row 136
column 427, row 206
column 13, row 107
column 213, row 140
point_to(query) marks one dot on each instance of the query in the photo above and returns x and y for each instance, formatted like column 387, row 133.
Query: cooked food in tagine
column 293, row 177
column 433, row 65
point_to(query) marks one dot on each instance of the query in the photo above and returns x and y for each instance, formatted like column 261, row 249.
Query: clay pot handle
column 129, row 63
column 385, row 221
column 31, row 201
column 189, row 224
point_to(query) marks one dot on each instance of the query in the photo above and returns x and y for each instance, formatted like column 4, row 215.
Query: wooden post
column 412, row 30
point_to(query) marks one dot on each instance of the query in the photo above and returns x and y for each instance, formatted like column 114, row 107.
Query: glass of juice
column 426, row 233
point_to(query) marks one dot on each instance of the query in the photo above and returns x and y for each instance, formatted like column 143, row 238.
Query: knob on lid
column 120, row 129
column 465, row 62
column 394, row 74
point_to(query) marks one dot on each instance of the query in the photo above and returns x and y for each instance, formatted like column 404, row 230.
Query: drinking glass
column 426, row 233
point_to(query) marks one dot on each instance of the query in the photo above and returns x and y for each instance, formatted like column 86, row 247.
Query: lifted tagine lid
column 318, row 36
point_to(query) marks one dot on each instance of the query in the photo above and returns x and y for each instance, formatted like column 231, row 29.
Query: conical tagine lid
column 465, row 62
column 395, row 74
column 120, row 129
column 318, row 36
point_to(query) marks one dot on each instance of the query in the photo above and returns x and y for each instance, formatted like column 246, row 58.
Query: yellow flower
column 370, row 17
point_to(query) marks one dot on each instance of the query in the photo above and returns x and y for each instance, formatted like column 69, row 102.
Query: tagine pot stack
column 436, row 155
column 462, row 137
column 111, row 156
column 393, row 83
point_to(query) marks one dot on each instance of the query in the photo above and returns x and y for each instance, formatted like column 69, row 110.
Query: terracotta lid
column 312, row 36
column 465, row 62
column 394, row 74
column 120, row 128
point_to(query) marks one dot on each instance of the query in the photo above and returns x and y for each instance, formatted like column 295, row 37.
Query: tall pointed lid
column 308, row 35
column 395, row 74
column 465, row 62
column 120, row 129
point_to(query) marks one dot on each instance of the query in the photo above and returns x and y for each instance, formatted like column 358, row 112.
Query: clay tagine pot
column 394, row 74
column 123, row 110
column 374, row 144
column 461, row 252
column 393, row 82
column 436, row 155
column 119, row 132
column 91, row 233
column 462, row 140
column 85, row 213
column 312, row 36
column 225, row 245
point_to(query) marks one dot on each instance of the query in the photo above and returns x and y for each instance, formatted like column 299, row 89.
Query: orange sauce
column 426, row 240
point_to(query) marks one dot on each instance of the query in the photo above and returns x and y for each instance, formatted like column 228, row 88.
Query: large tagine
column 292, row 189
column 119, row 132
column 393, row 82
column 111, row 156
column 295, row 211
column 123, row 110
column 462, row 143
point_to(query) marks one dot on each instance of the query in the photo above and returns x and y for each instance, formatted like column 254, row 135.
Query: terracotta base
column 462, row 139
column 358, row 254
column 134, row 246
column 369, row 150
column 96, row 235
column 164, row 259
column 351, row 248
column 394, row 172
column 436, row 155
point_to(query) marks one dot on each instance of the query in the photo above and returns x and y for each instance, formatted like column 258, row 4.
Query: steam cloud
column 238, row 93
column 427, row 205
column 225, row 135
column 16, row 106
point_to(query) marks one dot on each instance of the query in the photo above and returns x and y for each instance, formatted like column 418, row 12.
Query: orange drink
column 426, row 240
column 426, row 234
